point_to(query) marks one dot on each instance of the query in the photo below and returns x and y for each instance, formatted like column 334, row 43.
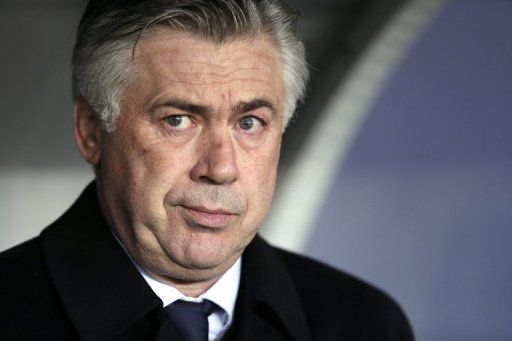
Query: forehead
column 172, row 45
column 183, row 63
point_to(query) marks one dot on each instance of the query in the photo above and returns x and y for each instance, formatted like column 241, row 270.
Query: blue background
column 422, row 206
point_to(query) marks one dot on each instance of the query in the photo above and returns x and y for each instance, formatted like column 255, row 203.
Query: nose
column 217, row 159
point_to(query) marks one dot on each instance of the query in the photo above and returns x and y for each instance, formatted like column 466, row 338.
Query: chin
column 202, row 264
column 209, row 253
column 199, row 268
column 210, row 257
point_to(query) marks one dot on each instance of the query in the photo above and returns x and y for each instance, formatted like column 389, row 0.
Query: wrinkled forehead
column 185, row 62
column 180, row 46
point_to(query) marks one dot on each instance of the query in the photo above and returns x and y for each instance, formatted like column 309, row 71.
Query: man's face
column 188, row 174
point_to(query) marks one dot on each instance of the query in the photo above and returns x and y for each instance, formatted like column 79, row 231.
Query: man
column 180, row 107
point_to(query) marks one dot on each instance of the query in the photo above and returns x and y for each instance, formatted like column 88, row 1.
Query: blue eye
column 178, row 121
column 247, row 123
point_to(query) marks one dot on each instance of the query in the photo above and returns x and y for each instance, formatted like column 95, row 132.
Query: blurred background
column 397, row 168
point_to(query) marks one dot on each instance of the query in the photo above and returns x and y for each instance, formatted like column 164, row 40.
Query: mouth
column 207, row 217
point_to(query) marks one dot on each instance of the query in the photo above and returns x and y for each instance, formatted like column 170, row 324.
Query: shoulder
column 336, row 298
column 29, row 302
column 22, row 261
column 316, row 277
column 25, row 279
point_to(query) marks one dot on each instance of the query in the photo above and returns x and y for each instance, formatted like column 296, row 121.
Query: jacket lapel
column 268, row 307
column 101, row 290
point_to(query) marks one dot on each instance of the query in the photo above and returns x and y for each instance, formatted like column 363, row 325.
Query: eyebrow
column 240, row 108
column 244, row 107
column 185, row 106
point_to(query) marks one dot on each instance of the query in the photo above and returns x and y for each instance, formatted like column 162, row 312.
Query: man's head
column 180, row 106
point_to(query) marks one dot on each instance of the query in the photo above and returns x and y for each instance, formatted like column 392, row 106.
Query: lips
column 206, row 217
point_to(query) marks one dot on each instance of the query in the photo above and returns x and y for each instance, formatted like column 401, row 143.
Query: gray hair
column 110, row 29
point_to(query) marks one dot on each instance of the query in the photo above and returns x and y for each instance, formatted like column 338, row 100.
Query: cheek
column 261, row 177
column 146, row 174
column 163, row 162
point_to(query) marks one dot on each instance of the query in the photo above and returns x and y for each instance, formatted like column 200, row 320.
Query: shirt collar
column 223, row 292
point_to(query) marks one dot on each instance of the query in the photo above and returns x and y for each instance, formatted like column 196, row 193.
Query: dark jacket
column 74, row 281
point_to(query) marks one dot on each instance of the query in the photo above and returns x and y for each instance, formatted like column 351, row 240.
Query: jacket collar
column 101, row 290
column 269, row 307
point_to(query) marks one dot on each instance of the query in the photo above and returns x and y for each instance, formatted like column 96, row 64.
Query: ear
column 87, row 131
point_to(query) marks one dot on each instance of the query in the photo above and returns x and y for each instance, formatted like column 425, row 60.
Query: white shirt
column 223, row 293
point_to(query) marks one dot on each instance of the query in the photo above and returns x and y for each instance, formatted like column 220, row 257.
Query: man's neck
column 187, row 288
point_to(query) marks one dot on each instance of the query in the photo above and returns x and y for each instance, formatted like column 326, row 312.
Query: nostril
column 208, row 180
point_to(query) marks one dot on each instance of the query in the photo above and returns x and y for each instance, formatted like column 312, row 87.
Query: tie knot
column 205, row 307
column 190, row 319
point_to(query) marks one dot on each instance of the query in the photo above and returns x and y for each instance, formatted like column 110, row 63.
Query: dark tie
column 190, row 319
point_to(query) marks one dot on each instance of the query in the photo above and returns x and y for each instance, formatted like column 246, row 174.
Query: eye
column 178, row 121
column 249, row 123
